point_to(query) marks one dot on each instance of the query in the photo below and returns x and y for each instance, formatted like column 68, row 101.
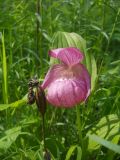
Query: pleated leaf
column 107, row 128
column 64, row 39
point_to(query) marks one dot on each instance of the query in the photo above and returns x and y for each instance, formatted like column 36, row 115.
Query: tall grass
column 4, row 71
column 28, row 30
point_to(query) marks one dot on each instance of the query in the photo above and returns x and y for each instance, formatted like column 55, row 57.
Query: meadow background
column 27, row 32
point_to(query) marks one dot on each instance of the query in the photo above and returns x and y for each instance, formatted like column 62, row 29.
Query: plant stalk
column 79, row 125
column 43, row 131
column 37, row 26
column 113, row 29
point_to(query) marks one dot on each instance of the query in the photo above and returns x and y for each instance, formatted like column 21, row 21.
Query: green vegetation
column 28, row 30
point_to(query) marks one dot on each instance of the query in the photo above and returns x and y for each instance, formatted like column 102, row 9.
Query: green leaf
column 115, row 62
column 114, row 70
column 54, row 146
column 105, row 143
column 10, row 137
column 100, row 30
column 65, row 39
column 4, row 71
column 0, row 73
column 4, row 106
column 93, row 71
column 46, row 36
column 107, row 128
column 71, row 150
column 19, row 103
column 29, row 121
column 110, row 154
column 14, row 105
column 79, row 154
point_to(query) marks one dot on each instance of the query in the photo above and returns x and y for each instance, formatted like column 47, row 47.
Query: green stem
column 4, row 72
column 10, row 43
column 43, row 130
column 79, row 125
column 113, row 29
column 39, row 30
column 37, row 27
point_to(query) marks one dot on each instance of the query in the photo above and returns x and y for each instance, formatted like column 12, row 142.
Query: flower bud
column 40, row 100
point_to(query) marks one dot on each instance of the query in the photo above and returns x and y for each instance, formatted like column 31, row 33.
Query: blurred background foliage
column 27, row 28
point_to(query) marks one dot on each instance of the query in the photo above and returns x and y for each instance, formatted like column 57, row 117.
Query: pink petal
column 66, row 93
column 53, row 73
column 85, row 74
column 67, row 86
column 69, row 56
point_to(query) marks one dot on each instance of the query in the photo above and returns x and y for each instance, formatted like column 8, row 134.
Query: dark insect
column 33, row 82
column 37, row 96
column 31, row 95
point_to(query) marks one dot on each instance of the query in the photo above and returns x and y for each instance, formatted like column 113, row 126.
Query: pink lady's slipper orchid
column 67, row 83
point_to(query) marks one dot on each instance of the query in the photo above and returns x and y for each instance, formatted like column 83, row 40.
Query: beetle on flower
column 67, row 83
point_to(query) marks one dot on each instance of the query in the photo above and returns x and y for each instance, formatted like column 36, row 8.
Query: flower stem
column 79, row 125
column 43, row 131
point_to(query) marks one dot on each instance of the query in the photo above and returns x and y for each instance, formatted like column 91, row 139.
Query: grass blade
column 4, row 72
column 105, row 143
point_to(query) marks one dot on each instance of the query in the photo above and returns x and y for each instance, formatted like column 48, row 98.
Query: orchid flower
column 67, row 83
